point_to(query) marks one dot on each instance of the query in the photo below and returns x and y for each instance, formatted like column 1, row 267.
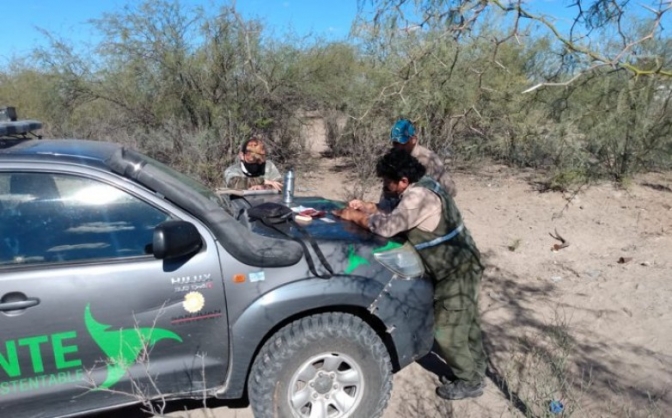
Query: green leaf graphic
column 122, row 346
column 354, row 261
column 391, row 245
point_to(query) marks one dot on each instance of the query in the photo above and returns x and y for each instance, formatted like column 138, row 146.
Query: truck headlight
column 403, row 261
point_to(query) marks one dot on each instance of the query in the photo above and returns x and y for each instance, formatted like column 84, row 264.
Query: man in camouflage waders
column 429, row 218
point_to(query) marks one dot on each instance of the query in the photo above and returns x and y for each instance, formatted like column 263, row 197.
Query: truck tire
column 330, row 365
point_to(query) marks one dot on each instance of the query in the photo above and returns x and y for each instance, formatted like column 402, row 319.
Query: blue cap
column 402, row 131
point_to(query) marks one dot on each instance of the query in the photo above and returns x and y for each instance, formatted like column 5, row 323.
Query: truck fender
column 271, row 309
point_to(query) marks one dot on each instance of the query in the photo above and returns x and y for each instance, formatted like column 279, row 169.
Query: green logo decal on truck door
column 36, row 346
column 122, row 346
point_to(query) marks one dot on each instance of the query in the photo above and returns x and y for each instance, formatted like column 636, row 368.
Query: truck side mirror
column 173, row 239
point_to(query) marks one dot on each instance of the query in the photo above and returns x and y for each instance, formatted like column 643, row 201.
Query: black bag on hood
column 270, row 212
column 273, row 214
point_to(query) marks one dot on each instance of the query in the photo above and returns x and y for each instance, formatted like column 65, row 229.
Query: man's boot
column 445, row 380
column 460, row 389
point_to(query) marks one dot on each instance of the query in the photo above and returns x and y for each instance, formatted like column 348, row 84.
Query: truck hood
column 325, row 229
column 348, row 248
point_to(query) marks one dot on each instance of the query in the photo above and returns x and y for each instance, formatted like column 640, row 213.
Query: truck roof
column 85, row 152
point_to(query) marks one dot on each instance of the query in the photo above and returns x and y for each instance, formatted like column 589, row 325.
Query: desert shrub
column 188, row 86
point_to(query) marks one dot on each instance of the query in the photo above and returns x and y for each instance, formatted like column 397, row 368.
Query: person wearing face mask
column 253, row 171
column 428, row 218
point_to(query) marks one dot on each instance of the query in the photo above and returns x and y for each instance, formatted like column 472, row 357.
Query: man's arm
column 245, row 183
column 418, row 207
column 272, row 177
column 385, row 225
column 437, row 170
column 353, row 215
column 238, row 183
column 368, row 207
column 272, row 173
column 229, row 174
column 447, row 182
column 433, row 164
column 234, row 178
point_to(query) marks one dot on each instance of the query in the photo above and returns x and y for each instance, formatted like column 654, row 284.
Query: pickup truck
column 124, row 281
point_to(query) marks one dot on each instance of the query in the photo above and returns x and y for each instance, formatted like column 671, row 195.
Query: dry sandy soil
column 574, row 325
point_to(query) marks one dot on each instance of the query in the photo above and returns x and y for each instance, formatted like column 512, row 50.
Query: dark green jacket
column 454, row 264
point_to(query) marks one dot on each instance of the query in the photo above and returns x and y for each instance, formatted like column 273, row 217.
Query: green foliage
column 189, row 85
column 605, row 112
column 182, row 85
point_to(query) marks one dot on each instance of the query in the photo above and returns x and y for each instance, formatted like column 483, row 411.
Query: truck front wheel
column 330, row 365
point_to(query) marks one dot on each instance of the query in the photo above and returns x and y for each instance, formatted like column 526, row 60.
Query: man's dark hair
column 397, row 163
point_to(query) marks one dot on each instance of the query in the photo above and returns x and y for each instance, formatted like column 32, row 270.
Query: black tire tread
column 285, row 343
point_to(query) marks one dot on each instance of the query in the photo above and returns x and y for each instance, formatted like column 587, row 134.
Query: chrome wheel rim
column 328, row 385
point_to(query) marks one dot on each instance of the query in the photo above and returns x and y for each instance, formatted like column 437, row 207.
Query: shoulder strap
column 287, row 218
column 309, row 258
column 316, row 248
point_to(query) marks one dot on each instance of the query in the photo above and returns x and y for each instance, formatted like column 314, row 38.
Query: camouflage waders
column 235, row 177
column 453, row 261
column 244, row 183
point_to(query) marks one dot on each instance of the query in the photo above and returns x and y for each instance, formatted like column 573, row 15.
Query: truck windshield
column 188, row 181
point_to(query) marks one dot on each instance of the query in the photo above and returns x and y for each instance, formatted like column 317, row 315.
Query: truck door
column 88, row 314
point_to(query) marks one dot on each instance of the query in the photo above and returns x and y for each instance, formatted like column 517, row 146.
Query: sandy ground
column 573, row 325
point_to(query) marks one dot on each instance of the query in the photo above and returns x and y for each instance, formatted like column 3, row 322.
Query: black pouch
column 274, row 215
column 270, row 213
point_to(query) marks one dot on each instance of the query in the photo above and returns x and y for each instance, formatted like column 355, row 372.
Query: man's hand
column 272, row 185
column 347, row 214
column 268, row 185
column 368, row 207
column 357, row 216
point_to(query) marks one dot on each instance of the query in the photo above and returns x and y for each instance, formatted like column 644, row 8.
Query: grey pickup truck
column 122, row 280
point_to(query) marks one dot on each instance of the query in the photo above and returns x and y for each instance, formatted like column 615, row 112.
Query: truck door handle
column 21, row 304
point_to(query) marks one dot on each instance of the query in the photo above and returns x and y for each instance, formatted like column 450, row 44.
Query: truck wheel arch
column 254, row 327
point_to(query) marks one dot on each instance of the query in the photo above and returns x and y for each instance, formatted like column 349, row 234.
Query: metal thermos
column 288, row 186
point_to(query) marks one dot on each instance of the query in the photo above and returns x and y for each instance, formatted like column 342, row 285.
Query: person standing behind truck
column 403, row 137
